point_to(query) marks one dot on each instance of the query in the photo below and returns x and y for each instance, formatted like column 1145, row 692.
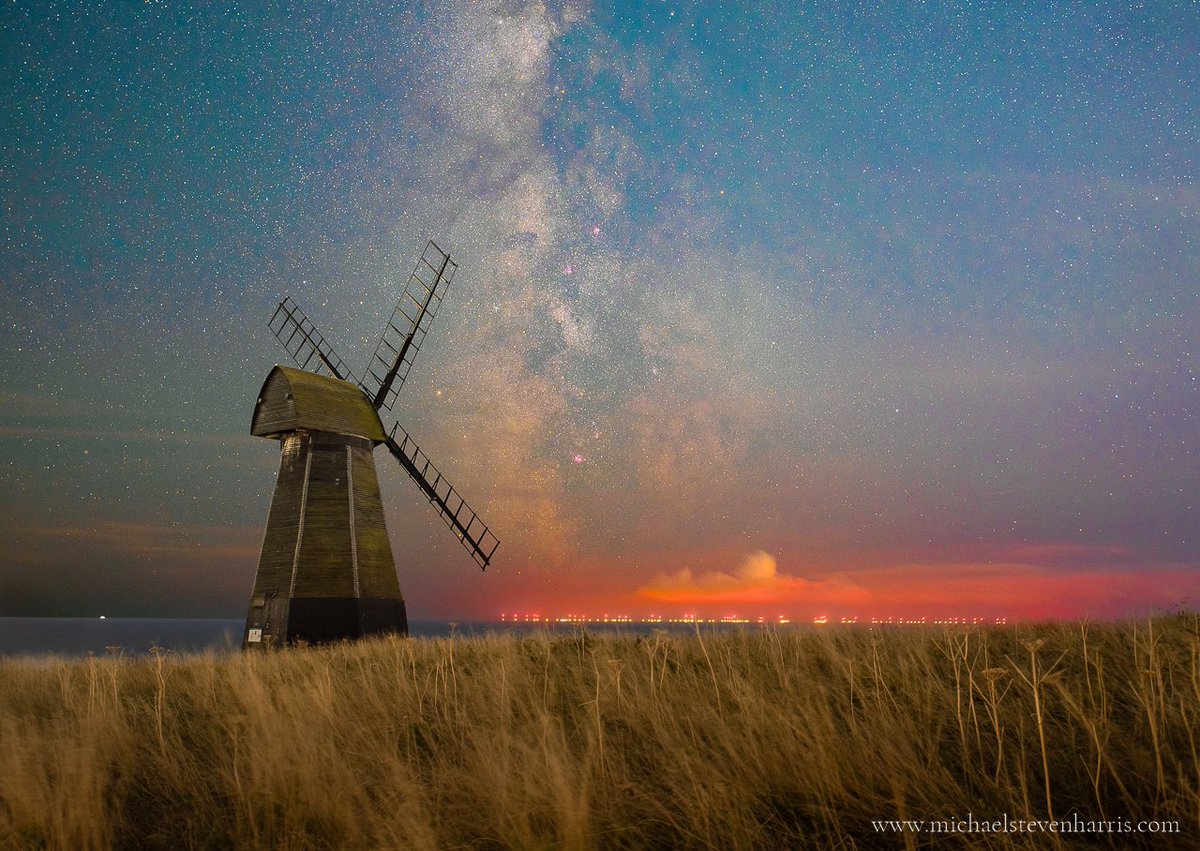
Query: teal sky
column 806, row 308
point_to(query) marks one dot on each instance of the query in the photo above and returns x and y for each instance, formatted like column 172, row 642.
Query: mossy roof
column 293, row 399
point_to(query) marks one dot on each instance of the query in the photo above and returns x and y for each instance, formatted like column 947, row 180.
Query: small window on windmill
column 254, row 635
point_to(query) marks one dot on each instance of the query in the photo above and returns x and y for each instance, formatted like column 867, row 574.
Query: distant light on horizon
column 736, row 618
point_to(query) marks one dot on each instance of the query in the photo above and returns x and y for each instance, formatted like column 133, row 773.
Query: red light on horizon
column 694, row 617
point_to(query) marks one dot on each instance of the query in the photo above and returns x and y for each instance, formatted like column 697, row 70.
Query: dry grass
column 749, row 740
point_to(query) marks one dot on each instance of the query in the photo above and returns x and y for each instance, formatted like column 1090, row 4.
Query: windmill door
column 266, row 623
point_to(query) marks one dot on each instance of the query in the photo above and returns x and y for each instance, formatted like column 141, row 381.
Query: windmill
column 326, row 570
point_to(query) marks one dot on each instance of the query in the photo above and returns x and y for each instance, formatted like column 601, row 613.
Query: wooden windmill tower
column 326, row 571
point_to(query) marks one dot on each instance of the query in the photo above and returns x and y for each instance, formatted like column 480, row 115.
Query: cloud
column 1004, row 588
column 756, row 580
column 1066, row 554
column 1023, row 590
column 126, row 568
column 175, row 541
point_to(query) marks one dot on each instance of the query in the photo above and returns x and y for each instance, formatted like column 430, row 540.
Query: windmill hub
column 326, row 571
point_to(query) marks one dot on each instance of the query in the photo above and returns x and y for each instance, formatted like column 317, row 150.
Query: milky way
column 760, row 308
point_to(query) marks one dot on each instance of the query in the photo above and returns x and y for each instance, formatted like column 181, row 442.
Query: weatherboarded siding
column 279, row 542
column 376, row 566
column 325, row 566
column 316, row 543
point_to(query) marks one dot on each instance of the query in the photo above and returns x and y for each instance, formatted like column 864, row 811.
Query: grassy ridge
column 755, row 739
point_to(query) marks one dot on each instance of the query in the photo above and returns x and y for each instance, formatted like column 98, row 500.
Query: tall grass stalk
column 755, row 739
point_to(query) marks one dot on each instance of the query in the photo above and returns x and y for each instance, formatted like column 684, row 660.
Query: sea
column 82, row 637
column 142, row 636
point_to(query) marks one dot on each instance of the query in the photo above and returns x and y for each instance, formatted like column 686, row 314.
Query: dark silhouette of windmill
column 326, row 571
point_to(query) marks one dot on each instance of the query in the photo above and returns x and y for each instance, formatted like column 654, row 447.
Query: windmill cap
column 294, row 399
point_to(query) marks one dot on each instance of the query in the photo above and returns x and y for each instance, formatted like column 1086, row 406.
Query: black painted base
column 321, row 620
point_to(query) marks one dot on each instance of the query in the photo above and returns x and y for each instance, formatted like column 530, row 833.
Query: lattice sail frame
column 300, row 337
column 399, row 344
column 407, row 326
column 460, row 517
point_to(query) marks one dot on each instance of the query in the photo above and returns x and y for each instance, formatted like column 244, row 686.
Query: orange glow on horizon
column 960, row 592
column 517, row 618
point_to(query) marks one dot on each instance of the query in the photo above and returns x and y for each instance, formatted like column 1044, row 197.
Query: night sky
column 762, row 308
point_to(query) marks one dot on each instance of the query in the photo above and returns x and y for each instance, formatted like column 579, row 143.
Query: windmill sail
column 304, row 342
column 460, row 517
column 406, row 329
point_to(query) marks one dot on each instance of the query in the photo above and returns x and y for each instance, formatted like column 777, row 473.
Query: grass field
column 761, row 739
